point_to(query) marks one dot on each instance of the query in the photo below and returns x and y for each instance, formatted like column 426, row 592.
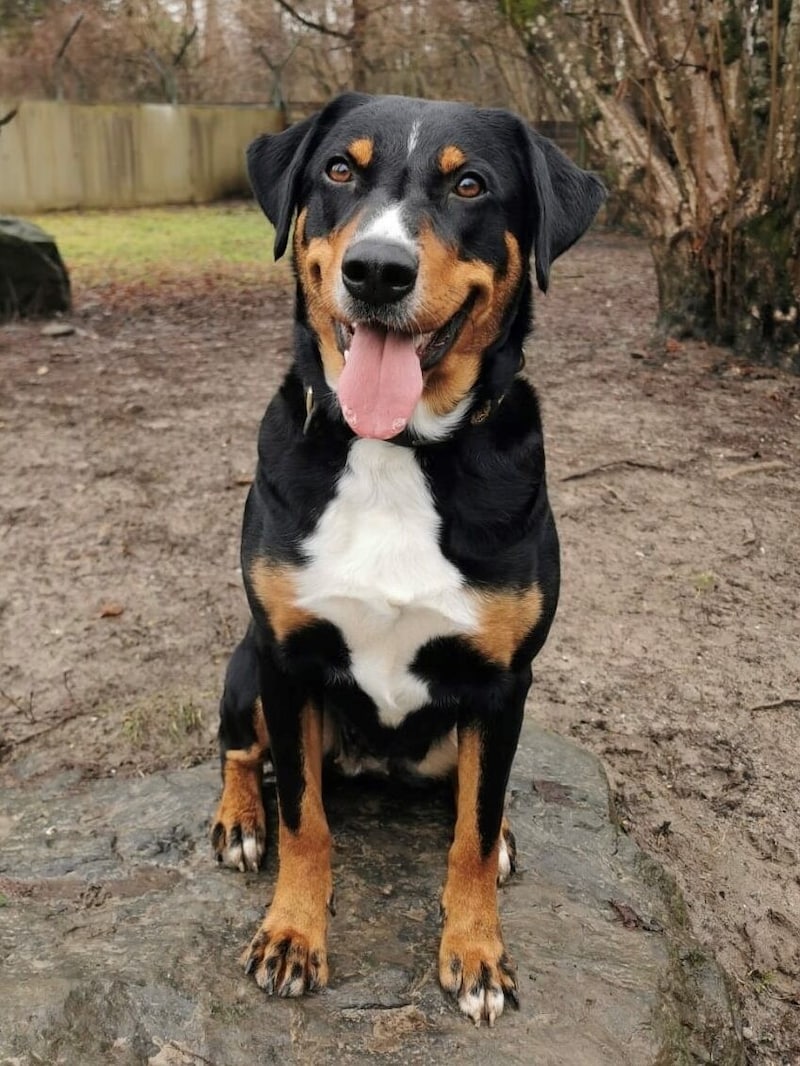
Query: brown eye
column 339, row 170
column 469, row 186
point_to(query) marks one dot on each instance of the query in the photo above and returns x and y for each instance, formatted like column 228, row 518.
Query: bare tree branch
column 69, row 35
column 311, row 25
column 59, row 57
column 187, row 40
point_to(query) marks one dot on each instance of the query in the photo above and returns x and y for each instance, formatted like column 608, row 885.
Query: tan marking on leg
column 258, row 749
column 446, row 282
column 361, row 151
column 275, row 590
column 239, row 827
column 441, row 758
column 505, row 618
column 451, row 158
column 506, row 845
column 473, row 963
column 289, row 951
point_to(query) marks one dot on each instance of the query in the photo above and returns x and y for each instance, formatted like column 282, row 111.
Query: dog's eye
column 339, row 170
column 469, row 186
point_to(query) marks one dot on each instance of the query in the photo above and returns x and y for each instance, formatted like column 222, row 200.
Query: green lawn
column 231, row 240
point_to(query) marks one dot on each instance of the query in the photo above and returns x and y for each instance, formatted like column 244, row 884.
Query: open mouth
column 430, row 347
column 381, row 381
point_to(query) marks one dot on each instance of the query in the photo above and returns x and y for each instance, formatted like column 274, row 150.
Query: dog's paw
column 285, row 961
column 239, row 828
column 478, row 972
column 507, row 854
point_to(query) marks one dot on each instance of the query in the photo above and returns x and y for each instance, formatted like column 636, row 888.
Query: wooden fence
column 60, row 155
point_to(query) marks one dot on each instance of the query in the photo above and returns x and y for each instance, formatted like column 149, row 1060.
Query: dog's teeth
column 346, row 354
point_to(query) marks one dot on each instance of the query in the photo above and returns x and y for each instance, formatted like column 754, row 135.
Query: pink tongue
column 381, row 382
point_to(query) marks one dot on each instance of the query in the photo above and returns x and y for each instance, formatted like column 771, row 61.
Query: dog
column 399, row 554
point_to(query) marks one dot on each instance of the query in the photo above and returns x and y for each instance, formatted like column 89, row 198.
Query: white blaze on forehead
column 387, row 225
column 413, row 137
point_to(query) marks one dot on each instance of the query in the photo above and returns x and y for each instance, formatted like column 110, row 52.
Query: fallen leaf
column 631, row 920
column 673, row 346
column 111, row 610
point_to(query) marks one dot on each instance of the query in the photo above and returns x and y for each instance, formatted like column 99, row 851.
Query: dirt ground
column 126, row 451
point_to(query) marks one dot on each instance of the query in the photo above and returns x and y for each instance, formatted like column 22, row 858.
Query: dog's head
column 416, row 222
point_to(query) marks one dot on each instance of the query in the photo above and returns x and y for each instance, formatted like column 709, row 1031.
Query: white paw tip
column 503, row 863
column 495, row 1001
column 482, row 1005
column 251, row 852
column 294, row 988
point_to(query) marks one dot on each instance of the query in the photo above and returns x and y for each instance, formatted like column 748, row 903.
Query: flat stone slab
column 119, row 937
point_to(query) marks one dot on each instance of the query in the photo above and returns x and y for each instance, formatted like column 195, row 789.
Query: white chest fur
column 376, row 571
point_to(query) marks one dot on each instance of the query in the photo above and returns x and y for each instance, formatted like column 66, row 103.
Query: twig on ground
column 614, row 464
column 615, row 493
column 755, row 468
column 778, row 705
column 13, row 742
column 68, row 687
column 25, row 707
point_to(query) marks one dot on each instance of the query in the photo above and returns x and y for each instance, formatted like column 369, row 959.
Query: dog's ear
column 275, row 163
column 567, row 198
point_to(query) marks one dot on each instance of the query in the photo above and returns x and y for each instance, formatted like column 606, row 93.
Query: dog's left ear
column 567, row 198
column 276, row 161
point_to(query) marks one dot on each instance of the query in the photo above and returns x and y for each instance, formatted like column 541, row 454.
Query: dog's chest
column 377, row 572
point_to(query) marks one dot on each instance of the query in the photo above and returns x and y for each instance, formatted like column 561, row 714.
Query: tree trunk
column 694, row 107
column 358, row 46
column 740, row 288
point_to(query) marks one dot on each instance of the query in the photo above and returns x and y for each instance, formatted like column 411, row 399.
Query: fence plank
column 56, row 155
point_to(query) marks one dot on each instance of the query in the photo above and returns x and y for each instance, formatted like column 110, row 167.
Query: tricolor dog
column 399, row 553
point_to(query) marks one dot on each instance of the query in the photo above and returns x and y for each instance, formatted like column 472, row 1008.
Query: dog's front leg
column 473, row 962
column 288, row 954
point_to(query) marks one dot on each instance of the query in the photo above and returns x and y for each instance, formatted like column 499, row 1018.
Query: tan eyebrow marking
column 361, row 151
column 451, row 158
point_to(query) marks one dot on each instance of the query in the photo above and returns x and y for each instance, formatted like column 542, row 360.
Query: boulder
column 33, row 278
column 120, row 938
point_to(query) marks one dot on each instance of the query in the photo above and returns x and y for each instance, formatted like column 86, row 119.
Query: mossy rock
column 33, row 278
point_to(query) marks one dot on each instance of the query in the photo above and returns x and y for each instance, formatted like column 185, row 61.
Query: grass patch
column 228, row 242
column 705, row 582
column 163, row 721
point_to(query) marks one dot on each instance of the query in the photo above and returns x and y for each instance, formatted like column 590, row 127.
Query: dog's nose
column 379, row 272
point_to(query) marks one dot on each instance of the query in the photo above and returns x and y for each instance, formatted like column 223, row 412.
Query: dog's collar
column 477, row 417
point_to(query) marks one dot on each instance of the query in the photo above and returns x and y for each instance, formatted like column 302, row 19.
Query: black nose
column 379, row 272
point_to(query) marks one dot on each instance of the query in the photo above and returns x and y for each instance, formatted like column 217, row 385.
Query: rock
column 120, row 937
column 33, row 278
column 58, row 329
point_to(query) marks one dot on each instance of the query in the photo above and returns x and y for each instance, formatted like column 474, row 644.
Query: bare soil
column 126, row 452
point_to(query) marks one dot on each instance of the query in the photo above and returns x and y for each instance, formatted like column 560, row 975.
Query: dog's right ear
column 567, row 199
column 276, row 161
